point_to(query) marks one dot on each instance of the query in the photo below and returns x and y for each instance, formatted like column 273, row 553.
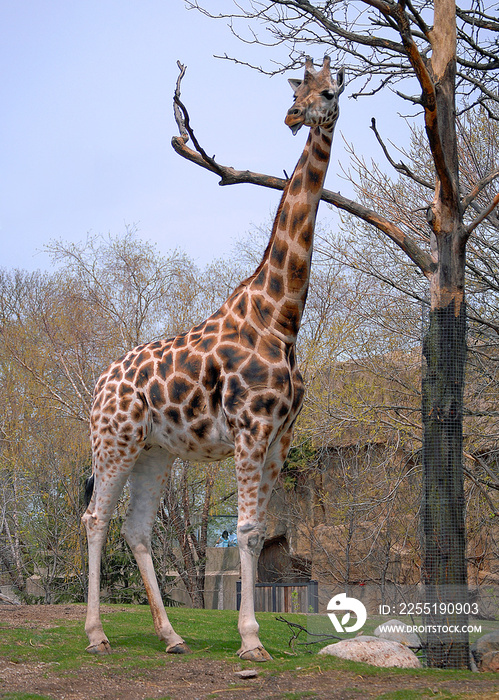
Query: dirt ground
column 204, row 678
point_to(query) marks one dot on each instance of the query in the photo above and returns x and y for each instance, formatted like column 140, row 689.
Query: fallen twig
column 295, row 633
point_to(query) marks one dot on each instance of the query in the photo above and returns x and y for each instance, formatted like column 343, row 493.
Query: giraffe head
column 316, row 97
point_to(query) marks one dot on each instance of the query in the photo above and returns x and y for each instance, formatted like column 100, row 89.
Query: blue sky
column 86, row 124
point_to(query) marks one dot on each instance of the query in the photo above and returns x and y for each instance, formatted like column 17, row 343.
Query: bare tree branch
column 176, row 100
column 479, row 186
column 483, row 215
column 401, row 168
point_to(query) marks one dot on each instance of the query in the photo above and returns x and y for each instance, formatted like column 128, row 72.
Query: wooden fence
column 284, row 597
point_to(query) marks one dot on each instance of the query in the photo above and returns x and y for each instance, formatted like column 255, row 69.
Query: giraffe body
column 229, row 386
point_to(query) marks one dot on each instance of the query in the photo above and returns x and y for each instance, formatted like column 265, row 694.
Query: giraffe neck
column 278, row 288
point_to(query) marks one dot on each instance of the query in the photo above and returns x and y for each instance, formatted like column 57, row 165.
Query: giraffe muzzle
column 295, row 119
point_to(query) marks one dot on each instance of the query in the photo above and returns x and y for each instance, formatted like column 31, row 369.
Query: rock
column 8, row 596
column 489, row 662
column 396, row 631
column 247, row 673
column 486, row 652
column 375, row 651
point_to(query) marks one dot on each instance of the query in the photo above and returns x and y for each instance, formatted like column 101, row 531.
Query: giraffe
column 229, row 386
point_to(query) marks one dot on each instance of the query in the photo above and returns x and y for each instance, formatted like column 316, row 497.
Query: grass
column 211, row 634
column 131, row 633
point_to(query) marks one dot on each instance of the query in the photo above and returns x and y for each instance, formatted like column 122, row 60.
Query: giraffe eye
column 328, row 94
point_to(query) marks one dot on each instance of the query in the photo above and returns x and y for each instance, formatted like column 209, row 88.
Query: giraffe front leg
column 256, row 471
column 256, row 480
column 250, row 538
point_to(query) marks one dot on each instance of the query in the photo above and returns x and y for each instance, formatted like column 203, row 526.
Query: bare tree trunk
column 179, row 520
column 444, row 549
column 202, row 542
column 176, row 517
column 13, row 538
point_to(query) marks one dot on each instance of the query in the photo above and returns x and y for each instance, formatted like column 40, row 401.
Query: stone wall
column 222, row 573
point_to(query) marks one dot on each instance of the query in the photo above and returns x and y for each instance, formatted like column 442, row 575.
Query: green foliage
column 120, row 577
column 300, row 458
column 58, row 331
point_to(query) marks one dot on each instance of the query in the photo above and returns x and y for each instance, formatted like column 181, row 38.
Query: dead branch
column 297, row 629
column 479, row 186
column 176, row 99
column 483, row 215
column 400, row 167
column 480, row 483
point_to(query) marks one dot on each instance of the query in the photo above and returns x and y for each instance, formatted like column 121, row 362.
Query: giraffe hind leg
column 104, row 494
column 147, row 482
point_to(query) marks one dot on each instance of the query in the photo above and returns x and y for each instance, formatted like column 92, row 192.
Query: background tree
column 194, row 492
column 59, row 330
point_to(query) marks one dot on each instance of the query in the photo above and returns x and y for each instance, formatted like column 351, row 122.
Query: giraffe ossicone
column 229, row 386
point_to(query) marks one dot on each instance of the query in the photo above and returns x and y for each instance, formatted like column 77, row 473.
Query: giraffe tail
column 89, row 489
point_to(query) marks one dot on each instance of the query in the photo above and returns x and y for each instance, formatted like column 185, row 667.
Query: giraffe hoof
column 180, row 648
column 101, row 649
column 259, row 655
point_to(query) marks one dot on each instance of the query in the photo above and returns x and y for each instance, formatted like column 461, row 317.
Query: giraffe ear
column 295, row 84
column 340, row 80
